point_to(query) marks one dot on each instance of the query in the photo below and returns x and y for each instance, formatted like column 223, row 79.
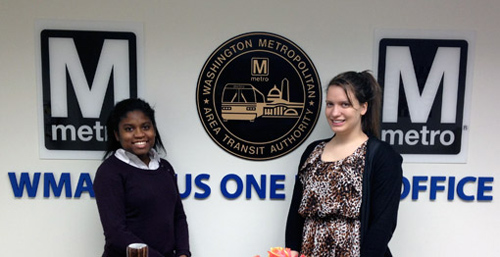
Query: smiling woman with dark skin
column 136, row 190
column 136, row 135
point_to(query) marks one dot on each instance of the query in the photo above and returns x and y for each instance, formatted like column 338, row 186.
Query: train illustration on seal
column 242, row 101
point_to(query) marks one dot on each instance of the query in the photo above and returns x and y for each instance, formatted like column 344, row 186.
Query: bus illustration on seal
column 242, row 101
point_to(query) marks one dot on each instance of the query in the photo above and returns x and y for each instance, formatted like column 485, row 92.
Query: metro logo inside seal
column 258, row 96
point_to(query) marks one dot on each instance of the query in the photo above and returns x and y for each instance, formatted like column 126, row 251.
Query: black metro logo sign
column 83, row 73
column 258, row 96
column 425, row 92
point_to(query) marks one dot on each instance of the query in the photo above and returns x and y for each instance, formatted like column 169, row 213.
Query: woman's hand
column 294, row 254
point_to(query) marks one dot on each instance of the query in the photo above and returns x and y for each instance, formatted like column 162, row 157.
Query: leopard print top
column 331, row 204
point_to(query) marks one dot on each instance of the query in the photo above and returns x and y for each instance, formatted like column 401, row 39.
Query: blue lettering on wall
column 24, row 183
column 200, row 182
column 466, row 188
column 239, row 186
column 84, row 184
column 259, row 189
column 261, row 186
column 482, row 188
column 275, row 186
column 50, row 182
column 252, row 183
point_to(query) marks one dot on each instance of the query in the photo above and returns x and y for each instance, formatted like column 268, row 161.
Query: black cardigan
column 382, row 181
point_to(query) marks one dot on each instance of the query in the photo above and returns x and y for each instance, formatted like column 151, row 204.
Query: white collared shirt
column 133, row 160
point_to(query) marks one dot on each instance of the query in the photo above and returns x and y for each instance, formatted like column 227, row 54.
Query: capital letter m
column 445, row 67
column 64, row 56
column 259, row 66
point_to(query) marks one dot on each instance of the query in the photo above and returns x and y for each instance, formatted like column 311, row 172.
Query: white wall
column 179, row 36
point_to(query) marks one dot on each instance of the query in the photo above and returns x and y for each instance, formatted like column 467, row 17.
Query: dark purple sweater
column 140, row 206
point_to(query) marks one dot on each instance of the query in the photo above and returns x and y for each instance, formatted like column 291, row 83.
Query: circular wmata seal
column 258, row 96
